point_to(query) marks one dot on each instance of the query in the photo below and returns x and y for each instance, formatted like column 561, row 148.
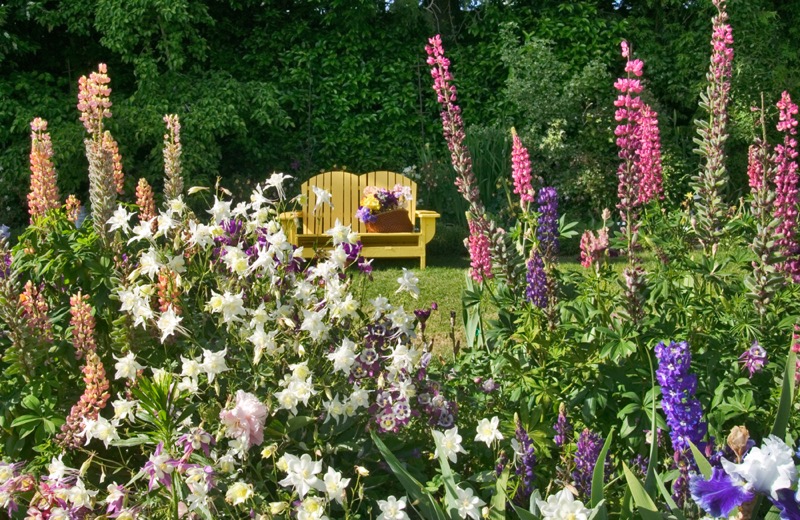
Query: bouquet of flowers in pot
column 384, row 210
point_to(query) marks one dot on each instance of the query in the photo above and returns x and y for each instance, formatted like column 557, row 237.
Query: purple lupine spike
column 547, row 231
column 526, row 464
column 588, row 450
column 562, row 427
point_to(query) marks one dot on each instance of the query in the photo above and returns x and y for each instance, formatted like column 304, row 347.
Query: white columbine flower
column 124, row 409
column 214, row 363
column 302, row 473
column 221, row 210
column 339, row 233
column 126, row 367
column 190, row 367
column 334, row 485
column 239, row 493
column 448, row 444
column 408, row 282
column 142, row 231
column 343, row 357
column 766, row 469
column 563, row 506
column 168, row 323
column 468, row 504
column 323, row 197
column 100, row 429
column 119, row 220
column 276, row 181
column 488, row 432
column 392, row 509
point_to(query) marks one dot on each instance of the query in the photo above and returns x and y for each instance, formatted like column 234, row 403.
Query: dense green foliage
column 306, row 85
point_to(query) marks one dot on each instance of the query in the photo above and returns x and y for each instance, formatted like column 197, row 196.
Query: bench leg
column 422, row 261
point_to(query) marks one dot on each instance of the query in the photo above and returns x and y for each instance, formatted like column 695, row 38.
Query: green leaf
column 647, row 508
column 598, row 475
column 498, row 506
column 787, row 397
column 665, row 494
column 427, row 504
column 25, row 419
column 702, row 462
column 524, row 515
column 31, row 402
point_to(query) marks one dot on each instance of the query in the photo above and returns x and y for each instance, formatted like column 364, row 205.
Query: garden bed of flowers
column 181, row 359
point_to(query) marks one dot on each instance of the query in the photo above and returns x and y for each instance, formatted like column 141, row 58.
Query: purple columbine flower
column 754, row 358
column 536, row 290
column 719, row 495
column 527, row 461
column 116, row 500
column 160, row 466
column 588, row 450
column 562, row 427
column 547, row 231
column 195, row 440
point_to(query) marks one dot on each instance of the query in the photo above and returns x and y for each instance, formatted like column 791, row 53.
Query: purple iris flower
column 719, row 495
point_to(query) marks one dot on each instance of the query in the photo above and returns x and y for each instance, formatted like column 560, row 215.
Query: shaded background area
column 303, row 86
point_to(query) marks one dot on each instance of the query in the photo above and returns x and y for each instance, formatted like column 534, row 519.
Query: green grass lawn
column 441, row 282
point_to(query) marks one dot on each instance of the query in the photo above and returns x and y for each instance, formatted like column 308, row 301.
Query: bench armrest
column 290, row 221
column 427, row 224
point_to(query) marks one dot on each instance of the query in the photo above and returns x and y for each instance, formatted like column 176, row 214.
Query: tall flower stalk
column 786, row 194
column 765, row 278
column 173, row 182
column 713, row 175
column 639, row 172
column 95, row 395
column 466, row 182
column 683, row 411
column 44, row 190
column 94, row 105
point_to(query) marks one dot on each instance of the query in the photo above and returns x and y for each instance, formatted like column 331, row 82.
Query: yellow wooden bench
column 306, row 228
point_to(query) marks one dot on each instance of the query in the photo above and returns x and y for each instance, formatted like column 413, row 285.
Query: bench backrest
column 346, row 191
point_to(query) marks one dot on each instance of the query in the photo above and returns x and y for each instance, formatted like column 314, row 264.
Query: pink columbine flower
column 246, row 419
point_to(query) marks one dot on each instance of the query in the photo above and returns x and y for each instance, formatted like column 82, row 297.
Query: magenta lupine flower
column 521, row 171
column 479, row 250
column 638, row 139
column 754, row 358
column 160, row 467
column 593, row 247
column 466, row 182
column 786, row 189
